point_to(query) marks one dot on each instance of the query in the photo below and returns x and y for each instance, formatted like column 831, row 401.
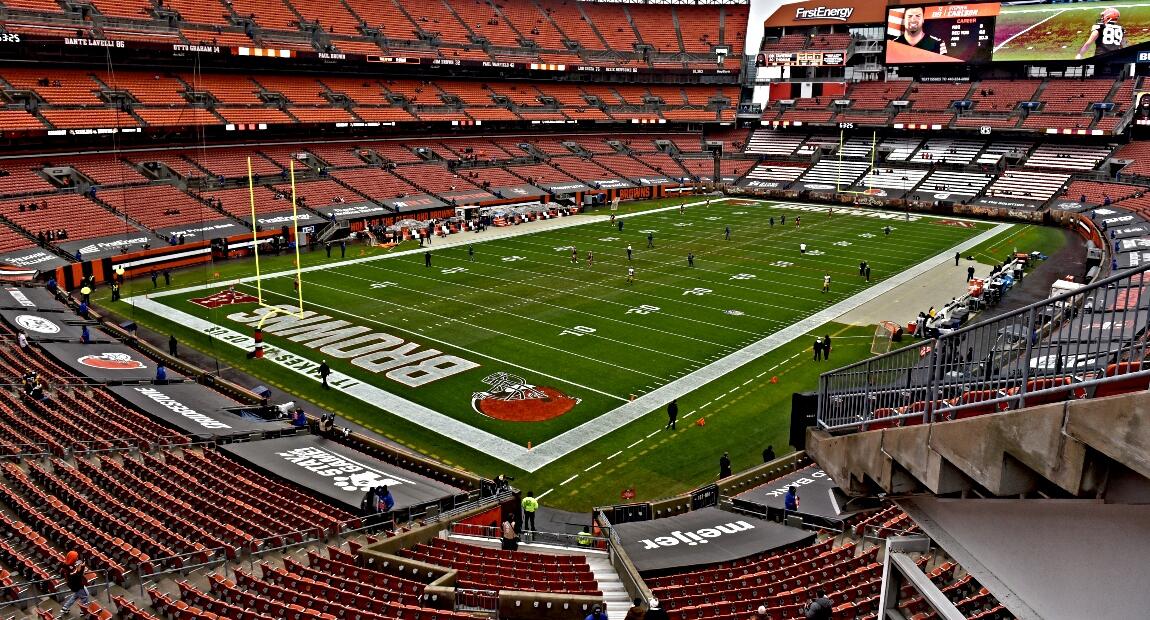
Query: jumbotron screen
column 1014, row 31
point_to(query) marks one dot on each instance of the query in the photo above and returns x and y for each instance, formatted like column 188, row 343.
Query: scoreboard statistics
column 956, row 33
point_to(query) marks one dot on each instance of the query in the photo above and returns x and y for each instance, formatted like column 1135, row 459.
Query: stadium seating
column 835, row 174
column 954, row 184
column 903, row 179
column 85, row 219
column 948, row 151
column 517, row 570
column 1036, row 186
column 1097, row 193
column 1068, row 157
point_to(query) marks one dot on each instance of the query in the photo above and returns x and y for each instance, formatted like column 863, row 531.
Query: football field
column 511, row 350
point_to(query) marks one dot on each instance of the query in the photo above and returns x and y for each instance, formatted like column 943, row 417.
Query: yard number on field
column 451, row 270
column 578, row 330
column 743, row 276
column 512, row 259
column 697, row 291
column 644, row 309
column 382, row 284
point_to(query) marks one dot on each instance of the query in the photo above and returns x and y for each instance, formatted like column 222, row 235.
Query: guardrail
column 57, row 589
column 1067, row 346
column 559, row 539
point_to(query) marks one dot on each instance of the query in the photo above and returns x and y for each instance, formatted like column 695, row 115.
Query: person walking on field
column 672, row 414
column 324, row 372
column 590, row 259
column 690, row 259
column 427, row 259
column 818, row 349
column 724, row 466
column 630, row 275
column 628, row 251
column 827, row 346
column 957, row 256
column 650, row 240
column 827, row 283
column 470, row 252
column 728, row 233
column 574, row 255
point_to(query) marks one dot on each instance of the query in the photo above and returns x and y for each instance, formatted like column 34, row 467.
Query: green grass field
column 522, row 307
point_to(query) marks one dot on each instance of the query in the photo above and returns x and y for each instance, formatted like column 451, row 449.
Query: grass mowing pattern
column 515, row 300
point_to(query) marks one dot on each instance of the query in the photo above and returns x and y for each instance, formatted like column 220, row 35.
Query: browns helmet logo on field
column 227, row 297
column 112, row 361
column 512, row 399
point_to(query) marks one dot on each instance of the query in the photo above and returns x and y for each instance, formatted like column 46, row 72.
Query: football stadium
column 574, row 309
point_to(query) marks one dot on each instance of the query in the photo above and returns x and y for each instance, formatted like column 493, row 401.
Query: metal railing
column 1067, row 346
column 558, row 539
column 54, row 588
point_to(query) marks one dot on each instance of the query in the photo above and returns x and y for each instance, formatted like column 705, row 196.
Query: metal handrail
column 534, row 536
column 62, row 589
column 1035, row 351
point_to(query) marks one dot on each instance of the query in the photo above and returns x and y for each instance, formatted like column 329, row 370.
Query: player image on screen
column 1107, row 35
column 914, row 36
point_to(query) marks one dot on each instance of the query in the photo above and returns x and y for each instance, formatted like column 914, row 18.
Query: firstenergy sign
column 821, row 12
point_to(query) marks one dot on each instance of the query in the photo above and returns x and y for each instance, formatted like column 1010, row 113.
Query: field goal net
column 885, row 335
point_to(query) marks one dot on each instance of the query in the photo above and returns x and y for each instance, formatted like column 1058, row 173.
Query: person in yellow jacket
column 530, row 505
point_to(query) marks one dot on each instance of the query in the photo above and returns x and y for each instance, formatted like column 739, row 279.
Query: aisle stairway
column 614, row 594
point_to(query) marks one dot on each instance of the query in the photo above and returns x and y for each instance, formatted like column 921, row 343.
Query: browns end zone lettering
column 375, row 351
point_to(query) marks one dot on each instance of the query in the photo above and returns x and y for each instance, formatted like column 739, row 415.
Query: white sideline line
column 569, row 480
column 593, row 466
column 544, row 494
column 579, row 436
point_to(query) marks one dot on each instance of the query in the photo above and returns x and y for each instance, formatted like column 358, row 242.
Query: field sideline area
column 519, row 360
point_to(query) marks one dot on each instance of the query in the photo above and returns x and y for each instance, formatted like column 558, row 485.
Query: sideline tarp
column 336, row 471
column 192, row 408
column 50, row 326
column 105, row 362
column 701, row 537
column 812, row 484
column 29, row 298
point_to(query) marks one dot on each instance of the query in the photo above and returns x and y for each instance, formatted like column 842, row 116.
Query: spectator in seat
column 761, row 613
column 299, row 418
column 509, row 538
column 820, row 608
column 597, row 613
column 161, row 373
column 654, row 612
column 636, row 612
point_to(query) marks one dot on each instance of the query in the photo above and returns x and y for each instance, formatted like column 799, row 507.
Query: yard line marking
column 481, row 327
column 544, row 494
column 747, row 381
column 650, row 435
column 569, row 480
column 634, row 444
column 494, row 331
column 614, row 455
column 593, row 466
